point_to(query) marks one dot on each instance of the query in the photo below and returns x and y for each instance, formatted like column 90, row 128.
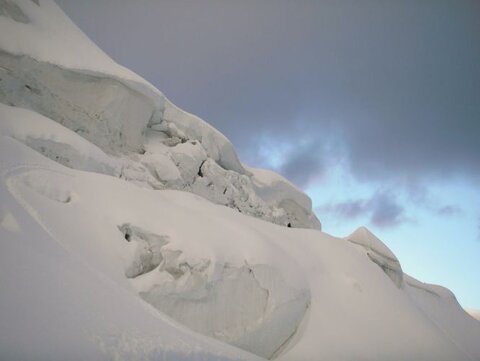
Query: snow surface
column 116, row 242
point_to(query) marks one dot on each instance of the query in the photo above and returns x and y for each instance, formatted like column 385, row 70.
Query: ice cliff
column 130, row 230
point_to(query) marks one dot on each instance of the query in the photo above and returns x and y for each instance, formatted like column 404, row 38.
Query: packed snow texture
column 116, row 243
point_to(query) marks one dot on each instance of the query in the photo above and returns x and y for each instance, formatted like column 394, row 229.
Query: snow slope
column 116, row 242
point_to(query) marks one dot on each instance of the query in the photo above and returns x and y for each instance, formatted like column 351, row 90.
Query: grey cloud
column 419, row 194
column 304, row 165
column 382, row 209
column 386, row 211
column 399, row 81
column 449, row 210
column 348, row 210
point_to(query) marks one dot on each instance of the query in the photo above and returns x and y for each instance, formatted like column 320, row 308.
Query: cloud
column 397, row 81
column 382, row 209
column 301, row 160
column 303, row 165
column 386, row 211
column 449, row 210
column 348, row 210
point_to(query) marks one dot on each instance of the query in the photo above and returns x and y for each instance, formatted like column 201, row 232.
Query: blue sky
column 435, row 243
column 372, row 107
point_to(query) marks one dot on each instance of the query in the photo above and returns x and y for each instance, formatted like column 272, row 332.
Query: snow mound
column 379, row 253
column 156, row 144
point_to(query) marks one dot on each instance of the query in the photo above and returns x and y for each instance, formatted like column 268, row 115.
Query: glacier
column 130, row 230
